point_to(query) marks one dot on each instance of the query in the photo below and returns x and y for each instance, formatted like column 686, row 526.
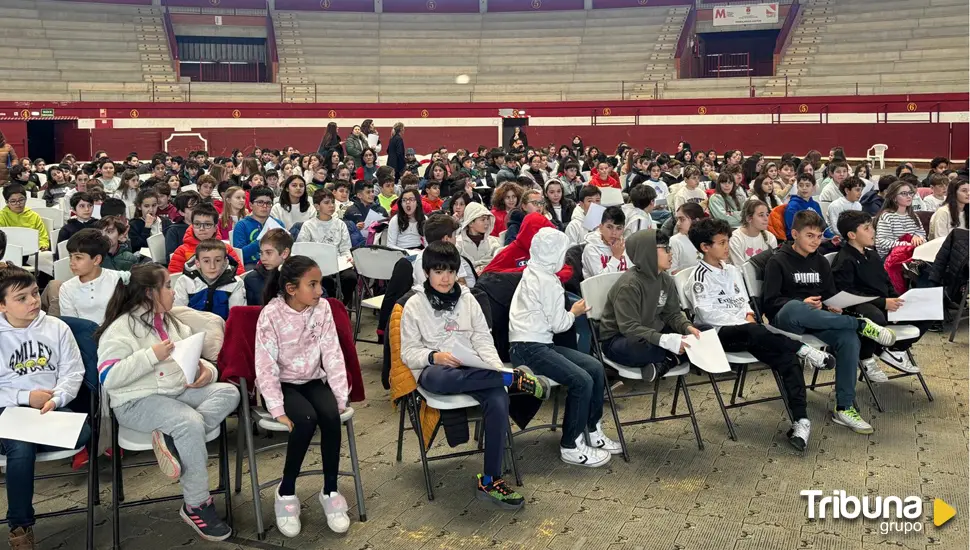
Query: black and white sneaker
column 583, row 455
column 799, row 432
column 816, row 359
column 899, row 360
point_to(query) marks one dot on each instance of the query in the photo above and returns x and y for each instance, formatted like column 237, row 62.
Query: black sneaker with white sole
column 206, row 521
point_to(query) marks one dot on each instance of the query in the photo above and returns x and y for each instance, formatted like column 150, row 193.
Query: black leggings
column 308, row 406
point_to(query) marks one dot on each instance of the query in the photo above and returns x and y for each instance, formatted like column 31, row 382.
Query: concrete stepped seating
column 890, row 24
column 878, row 36
column 889, row 53
column 898, row 13
column 907, row 88
column 890, row 6
column 715, row 83
column 870, row 68
column 904, row 45
column 890, row 78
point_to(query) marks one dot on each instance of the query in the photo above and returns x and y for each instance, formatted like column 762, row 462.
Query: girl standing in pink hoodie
column 301, row 375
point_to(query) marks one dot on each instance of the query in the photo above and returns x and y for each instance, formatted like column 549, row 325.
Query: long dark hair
column 768, row 198
column 890, row 204
column 331, row 134
column 288, row 273
column 953, row 205
column 285, row 194
column 403, row 219
column 366, row 127
column 139, row 294
column 727, row 178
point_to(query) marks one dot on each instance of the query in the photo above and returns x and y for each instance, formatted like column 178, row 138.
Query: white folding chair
column 13, row 255
column 156, row 246
column 174, row 277
column 377, row 264
column 56, row 215
column 49, row 226
column 62, row 249
column 610, row 196
column 62, row 269
column 325, row 255
column 830, row 257
column 595, row 291
column 34, row 204
column 28, row 240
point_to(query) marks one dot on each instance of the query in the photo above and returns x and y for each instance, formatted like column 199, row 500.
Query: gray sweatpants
column 186, row 417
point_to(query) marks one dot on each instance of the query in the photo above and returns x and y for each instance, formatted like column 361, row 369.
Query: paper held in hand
column 845, row 299
column 919, row 304
column 187, row 354
column 372, row 218
column 270, row 224
column 469, row 358
column 594, row 216
column 707, row 353
column 55, row 428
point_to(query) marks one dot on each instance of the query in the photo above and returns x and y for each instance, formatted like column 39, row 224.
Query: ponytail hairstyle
column 138, row 295
column 953, row 205
column 757, row 191
column 750, row 209
column 288, row 273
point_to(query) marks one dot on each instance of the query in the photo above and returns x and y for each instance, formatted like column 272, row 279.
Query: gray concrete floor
column 740, row 494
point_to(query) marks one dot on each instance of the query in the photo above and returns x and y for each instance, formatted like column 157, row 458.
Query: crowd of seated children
column 245, row 235
column 209, row 281
column 753, row 237
column 204, row 219
column 797, row 280
column 16, row 213
column 405, row 230
column 83, row 295
column 473, row 239
column 328, row 229
column 683, row 252
column 43, row 371
column 955, row 210
column 294, row 203
column 605, row 250
column 639, row 211
column 717, row 296
column 575, row 231
column 897, row 224
column 642, row 324
column 441, row 316
column 148, row 391
column 301, row 375
column 850, row 195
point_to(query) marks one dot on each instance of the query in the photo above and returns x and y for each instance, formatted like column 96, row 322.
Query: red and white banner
column 749, row 14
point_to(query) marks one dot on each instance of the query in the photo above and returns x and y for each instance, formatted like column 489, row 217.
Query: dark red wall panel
column 69, row 139
column 130, row 2
column 225, row 4
column 15, row 133
column 606, row 4
column 366, row 6
column 431, row 6
column 534, row 5
column 960, row 146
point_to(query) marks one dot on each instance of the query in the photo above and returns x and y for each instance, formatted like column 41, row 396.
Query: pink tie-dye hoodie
column 296, row 347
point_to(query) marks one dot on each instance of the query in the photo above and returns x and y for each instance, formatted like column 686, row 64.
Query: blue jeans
column 660, row 216
column 488, row 388
column 581, row 374
column 584, row 338
column 21, row 457
column 838, row 331
column 632, row 354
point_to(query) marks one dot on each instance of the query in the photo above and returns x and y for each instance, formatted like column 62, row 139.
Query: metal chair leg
column 720, row 403
column 693, row 417
column 92, row 487
column 355, row 467
column 413, row 413
column 511, row 445
column 653, row 398
column 115, row 487
column 224, row 482
column 865, row 377
column 959, row 316
column 402, row 404
column 616, row 420
column 555, row 409
column 247, row 420
column 673, row 406
column 240, row 436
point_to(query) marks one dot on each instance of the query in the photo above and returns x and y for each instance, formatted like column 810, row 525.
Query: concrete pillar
column 378, row 6
column 483, row 6
column 587, row 4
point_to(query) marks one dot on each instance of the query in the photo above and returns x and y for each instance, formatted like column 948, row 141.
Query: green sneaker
column 499, row 493
column 851, row 419
column 878, row 333
column 524, row 381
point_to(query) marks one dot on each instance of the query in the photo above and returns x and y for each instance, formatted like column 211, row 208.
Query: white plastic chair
column 325, row 255
column 174, row 277
column 377, row 264
column 595, row 291
column 49, row 226
column 62, row 250
column 62, row 269
column 13, row 255
column 56, row 215
column 610, row 196
column 156, row 246
column 27, row 239
column 877, row 153
column 34, row 204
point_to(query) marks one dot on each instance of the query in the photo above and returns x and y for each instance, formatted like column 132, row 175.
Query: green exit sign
column 47, row 112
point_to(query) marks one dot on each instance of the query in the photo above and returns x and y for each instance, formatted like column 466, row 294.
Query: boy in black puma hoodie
column 797, row 280
column 643, row 324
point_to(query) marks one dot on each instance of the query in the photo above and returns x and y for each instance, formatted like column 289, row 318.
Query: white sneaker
column 816, row 358
column 850, row 418
column 599, row 440
column 873, row 371
column 335, row 507
column 799, row 432
column 583, row 455
column 899, row 360
column 287, row 514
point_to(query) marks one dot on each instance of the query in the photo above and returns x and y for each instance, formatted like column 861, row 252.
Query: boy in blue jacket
column 209, row 281
column 246, row 232
column 802, row 200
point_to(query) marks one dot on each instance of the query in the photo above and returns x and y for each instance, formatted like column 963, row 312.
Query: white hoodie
column 42, row 356
column 598, row 257
column 636, row 220
column 333, row 231
column 575, row 232
column 538, row 305
column 483, row 252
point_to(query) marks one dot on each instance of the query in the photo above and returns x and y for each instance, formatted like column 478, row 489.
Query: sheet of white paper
column 270, row 224
column 847, row 299
column 372, row 218
column 96, row 211
column 55, row 428
column 594, row 216
column 707, row 352
column 469, row 358
column 372, row 140
column 927, row 251
column 344, row 262
column 919, row 304
column 187, row 354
